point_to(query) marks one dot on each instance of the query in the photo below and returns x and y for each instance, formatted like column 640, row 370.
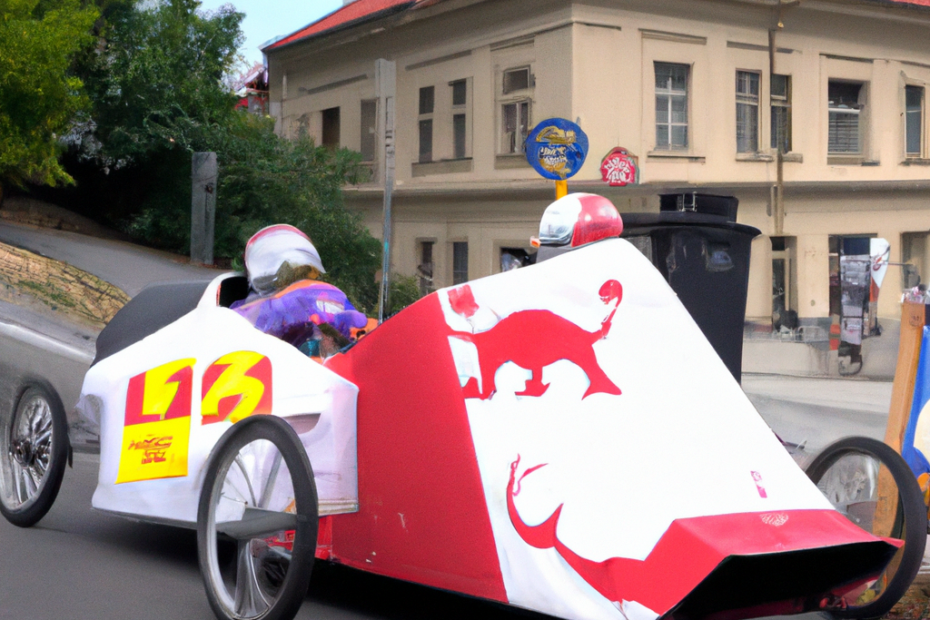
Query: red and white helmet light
column 577, row 219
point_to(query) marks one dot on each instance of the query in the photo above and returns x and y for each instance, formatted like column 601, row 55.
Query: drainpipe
column 779, row 189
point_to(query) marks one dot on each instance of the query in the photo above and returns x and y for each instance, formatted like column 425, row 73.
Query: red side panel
column 422, row 513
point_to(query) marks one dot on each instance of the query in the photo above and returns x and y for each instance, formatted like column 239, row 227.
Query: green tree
column 39, row 97
column 156, row 84
column 265, row 179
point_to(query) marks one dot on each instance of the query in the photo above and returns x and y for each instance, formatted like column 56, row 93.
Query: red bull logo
column 606, row 577
column 534, row 339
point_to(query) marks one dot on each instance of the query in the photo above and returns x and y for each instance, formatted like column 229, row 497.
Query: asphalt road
column 78, row 563
column 128, row 266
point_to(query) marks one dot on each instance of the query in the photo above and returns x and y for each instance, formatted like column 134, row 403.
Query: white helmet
column 577, row 219
column 271, row 247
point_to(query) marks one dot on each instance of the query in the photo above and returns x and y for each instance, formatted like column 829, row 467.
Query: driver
column 287, row 300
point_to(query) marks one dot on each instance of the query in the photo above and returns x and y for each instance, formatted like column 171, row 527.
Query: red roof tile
column 356, row 11
column 362, row 10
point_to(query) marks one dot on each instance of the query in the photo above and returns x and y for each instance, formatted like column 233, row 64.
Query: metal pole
column 203, row 206
column 385, row 84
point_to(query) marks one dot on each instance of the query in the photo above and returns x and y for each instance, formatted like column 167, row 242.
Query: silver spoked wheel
column 33, row 451
column 872, row 486
column 257, row 522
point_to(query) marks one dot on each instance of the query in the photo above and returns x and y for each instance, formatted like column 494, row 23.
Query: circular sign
column 619, row 168
column 556, row 148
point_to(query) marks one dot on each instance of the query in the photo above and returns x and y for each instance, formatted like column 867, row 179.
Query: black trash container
column 702, row 252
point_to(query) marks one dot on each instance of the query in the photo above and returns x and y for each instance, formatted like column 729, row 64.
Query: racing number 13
column 156, row 429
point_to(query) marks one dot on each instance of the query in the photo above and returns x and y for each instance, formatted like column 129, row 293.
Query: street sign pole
column 203, row 206
column 385, row 85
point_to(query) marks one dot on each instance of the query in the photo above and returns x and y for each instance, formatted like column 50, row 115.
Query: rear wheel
column 33, row 455
column 257, row 522
column 874, row 488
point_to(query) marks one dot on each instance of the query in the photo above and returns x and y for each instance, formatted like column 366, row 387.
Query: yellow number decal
column 236, row 386
column 156, row 430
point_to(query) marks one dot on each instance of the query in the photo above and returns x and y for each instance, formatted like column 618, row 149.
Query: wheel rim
column 851, row 484
column 26, row 452
column 250, row 530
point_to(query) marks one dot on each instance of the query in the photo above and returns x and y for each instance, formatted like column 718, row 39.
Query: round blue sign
column 556, row 148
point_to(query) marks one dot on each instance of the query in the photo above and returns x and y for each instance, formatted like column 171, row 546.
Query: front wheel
column 864, row 478
column 33, row 455
column 257, row 522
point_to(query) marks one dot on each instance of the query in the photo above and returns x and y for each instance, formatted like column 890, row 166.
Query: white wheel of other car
column 33, row 455
column 257, row 522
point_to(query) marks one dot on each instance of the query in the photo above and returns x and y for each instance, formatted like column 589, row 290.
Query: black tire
column 864, row 456
column 260, row 468
column 33, row 455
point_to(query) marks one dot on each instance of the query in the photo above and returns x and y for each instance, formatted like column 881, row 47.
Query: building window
column 425, row 267
column 781, row 113
column 845, row 118
column 517, row 84
column 459, row 101
column 459, row 262
column 671, row 106
column 427, row 103
column 516, row 79
column 459, row 93
column 331, row 128
column 368, row 129
column 914, row 112
column 458, row 136
column 747, row 112
column 516, row 121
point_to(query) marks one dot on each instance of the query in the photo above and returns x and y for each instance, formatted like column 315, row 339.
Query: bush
column 404, row 291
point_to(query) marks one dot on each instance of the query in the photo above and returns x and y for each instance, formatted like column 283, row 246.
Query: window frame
column 670, row 93
column 425, row 116
column 856, row 110
column 426, row 269
column 921, row 151
column 331, row 132
column 749, row 101
column 780, row 102
column 368, row 132
column 459, row 111
column 521, row 100
column 459, row 272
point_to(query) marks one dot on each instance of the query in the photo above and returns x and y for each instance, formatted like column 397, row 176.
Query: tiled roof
column 360, row 10
column 364, row 10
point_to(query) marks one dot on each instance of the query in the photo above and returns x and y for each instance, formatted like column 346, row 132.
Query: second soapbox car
column 547, row 438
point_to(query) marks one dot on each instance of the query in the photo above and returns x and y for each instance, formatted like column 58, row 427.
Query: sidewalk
column 852, row 394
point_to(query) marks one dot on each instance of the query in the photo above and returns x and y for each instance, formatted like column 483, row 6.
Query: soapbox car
column 548, row 438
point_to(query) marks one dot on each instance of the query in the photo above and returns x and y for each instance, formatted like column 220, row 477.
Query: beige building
column 813, row 113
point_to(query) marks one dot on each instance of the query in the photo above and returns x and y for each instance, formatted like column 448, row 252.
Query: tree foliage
column 263, row 180
column 156, row 83
column 39, row 97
